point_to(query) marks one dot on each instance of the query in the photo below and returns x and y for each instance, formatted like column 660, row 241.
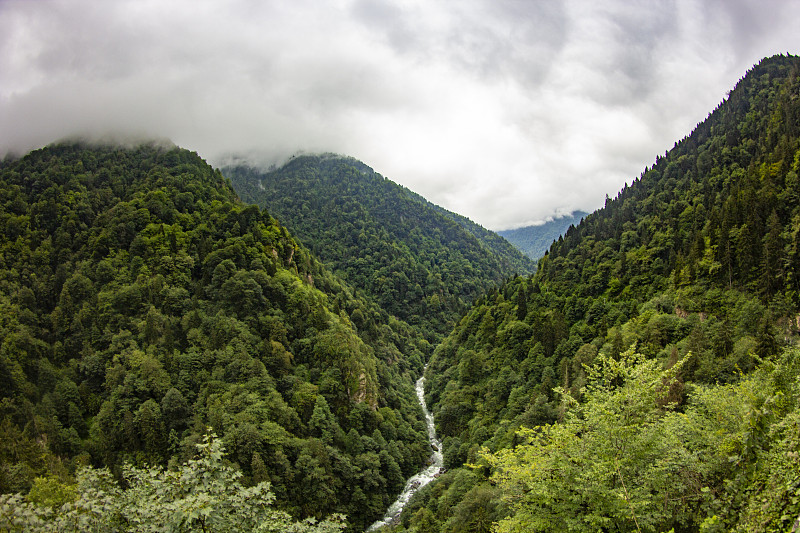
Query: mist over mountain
column 534, row 241
column 505, row 112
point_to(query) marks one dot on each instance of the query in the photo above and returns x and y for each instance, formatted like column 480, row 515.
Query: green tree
column 772, row 257
column 610, row 464
column 204, row 494
column 175, row 409
column 322, row 423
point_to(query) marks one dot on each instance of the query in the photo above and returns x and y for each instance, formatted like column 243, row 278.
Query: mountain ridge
column 429, row 265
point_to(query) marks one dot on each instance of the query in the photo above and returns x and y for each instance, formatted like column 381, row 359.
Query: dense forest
column 646, row 377
column 420, row 262
column 535, row 241
column 144, row 304
column 172, row 358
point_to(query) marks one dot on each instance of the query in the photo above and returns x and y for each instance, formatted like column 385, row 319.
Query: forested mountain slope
column 658, row 335
column 418, row 261
column 143, row 303
column 496, row 243
column 535, row 241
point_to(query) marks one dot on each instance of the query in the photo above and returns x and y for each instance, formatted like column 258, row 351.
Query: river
column 419, row 480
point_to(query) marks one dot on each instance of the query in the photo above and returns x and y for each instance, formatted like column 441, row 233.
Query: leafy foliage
column 204, row 494
column 624, row 460
column 614, row 461
column 420, row 262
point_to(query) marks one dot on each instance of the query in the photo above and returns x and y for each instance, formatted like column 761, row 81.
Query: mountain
column 143, row 305
column 534, row 241
column 420, row 262
column 653, row 354
column 646, row 377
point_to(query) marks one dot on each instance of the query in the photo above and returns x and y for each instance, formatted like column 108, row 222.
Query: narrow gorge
column 419, row 480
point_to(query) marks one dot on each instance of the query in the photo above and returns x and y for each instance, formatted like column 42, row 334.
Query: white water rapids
column 417, row 481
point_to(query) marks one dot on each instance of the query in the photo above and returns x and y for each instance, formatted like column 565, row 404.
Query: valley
column 318, row 341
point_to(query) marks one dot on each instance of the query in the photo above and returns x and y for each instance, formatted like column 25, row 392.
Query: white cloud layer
column 508, row 112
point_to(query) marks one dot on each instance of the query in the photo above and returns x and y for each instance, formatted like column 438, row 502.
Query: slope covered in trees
column 535, row 241
column 651, row 353
column 644, row 379
column 420, row 262
column 142, row 303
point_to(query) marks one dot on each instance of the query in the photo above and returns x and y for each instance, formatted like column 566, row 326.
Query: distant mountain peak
column 535, row 240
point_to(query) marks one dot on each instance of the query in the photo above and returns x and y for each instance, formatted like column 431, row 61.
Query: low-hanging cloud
column 507, row 112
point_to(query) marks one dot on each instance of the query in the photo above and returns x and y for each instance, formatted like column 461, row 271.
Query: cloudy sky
column 506, row 111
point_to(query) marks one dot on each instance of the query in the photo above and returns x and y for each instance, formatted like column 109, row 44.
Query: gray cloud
column 506, row 111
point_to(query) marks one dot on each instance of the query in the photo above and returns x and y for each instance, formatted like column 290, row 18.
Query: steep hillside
column 692, row 268
column 416, row 260
column 142, row 303
column 508, row 255
column 535, row 241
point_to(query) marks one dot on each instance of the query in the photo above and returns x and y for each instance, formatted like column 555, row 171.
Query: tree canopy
column 418, row 261
column 203, row 494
